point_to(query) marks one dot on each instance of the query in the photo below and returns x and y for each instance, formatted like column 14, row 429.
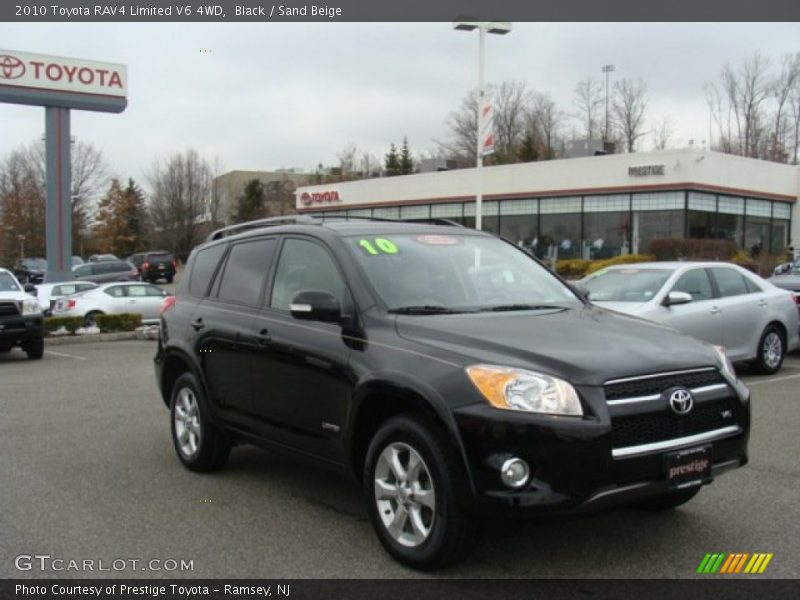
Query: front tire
column 34, row 348
column 416, row 490
column 200, row 445
column 771, row 351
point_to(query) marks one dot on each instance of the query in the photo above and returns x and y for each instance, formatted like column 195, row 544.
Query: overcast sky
column 269, row 96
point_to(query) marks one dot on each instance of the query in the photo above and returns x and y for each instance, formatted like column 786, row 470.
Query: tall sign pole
column 61, row 84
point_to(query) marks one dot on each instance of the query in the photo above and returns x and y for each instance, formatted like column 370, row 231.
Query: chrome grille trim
column 656, row 375
column 708, row 436
column 653, row 397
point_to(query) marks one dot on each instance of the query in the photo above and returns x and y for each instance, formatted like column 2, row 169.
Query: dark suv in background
column 105, row 271
column 30, row 270
column 450, row 372
column 155, row 265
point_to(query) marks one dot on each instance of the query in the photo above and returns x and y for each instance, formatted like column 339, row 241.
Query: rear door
column 743, row 314
column 145, row 300
column 223, row 322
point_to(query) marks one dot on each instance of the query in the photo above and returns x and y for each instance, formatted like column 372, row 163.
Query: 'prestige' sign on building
column 54, row 73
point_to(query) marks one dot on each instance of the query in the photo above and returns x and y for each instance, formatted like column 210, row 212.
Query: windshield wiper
column 425, row 309
column 510, row 307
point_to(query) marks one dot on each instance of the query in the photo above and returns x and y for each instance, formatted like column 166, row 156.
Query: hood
column 585, row 346
column 628, row 308
column 15, row 296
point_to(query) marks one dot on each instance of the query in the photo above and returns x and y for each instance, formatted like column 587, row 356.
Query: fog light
column 515, row 473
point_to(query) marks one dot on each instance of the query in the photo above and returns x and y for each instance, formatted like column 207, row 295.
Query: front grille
column 656, row 427
column 9, row 309
column 657, row 385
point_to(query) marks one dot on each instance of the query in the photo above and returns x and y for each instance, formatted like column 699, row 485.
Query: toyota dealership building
column 598, row 206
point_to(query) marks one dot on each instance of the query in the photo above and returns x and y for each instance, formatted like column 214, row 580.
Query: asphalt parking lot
column 89, row 472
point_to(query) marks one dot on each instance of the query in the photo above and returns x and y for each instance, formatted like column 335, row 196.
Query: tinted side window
column 102, row 268
column 116, row 291
column 121, row 266
column 205, row 263
column 729, row 282
column 695, row 283
column 83, row 271
column 752, row 286
column 245, row 271
column 304, row 265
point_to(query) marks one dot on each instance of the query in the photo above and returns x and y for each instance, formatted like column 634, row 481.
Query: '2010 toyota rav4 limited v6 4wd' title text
column 447, row 369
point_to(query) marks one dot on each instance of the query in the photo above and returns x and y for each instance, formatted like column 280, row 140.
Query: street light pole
column 607, row 69
column 500, row 28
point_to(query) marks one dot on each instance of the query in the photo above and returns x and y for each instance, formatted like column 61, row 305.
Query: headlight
column 725, row 363
column 518, row 389
column 31, row 307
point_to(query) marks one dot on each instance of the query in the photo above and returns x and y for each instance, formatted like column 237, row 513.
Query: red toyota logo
column 305, row 198
column 11, row 67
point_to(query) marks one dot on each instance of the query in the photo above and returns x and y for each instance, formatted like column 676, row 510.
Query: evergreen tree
column 133, row 214
column 250, row 206
column 392, row 161
column 109, row 223
column 528, row 150
column 406, row 166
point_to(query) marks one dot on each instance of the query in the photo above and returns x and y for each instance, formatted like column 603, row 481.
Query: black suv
column 30, row 270
column 155, row 265
column 450, row 372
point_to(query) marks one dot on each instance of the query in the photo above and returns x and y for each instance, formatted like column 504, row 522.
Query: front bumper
column 19, row 329
column 574, row 463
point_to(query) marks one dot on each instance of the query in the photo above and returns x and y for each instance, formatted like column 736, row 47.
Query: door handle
column 263, row 337
column 715, row 310
column 198, row 324
column 763, row 303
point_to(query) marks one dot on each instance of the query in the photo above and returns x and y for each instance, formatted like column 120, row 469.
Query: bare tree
column 181, row 191
column 545, row 119
column 781, row 91
column 588, row 98
column 662, row 131
column 795, row 110
column 628, row 108
column 22, row 207
column 348, row 161
column 463, row 126
column 738, row 107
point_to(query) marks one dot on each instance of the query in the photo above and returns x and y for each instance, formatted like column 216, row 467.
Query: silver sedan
column 113, row 298
column 720, row 303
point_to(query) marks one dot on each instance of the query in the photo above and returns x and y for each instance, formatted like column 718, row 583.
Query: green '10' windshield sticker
column 378, row 246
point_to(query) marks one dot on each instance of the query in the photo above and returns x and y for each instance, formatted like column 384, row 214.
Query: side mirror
column 315, row 305
column 29, row 288
column 674, row 298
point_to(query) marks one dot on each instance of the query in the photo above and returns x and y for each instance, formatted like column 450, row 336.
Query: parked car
column 30, row 270
column 716, row 302
column 113, row 298
column 77, row 260
column 136, row 260
column 48, row 293
column 20, row 318
column 102, row 258
column 158, row 265
column 449, row 371
column 105, row 271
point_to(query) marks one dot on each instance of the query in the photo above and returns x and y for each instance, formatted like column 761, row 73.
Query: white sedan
column 719, row 303
column 113, row 298
column 48, row 293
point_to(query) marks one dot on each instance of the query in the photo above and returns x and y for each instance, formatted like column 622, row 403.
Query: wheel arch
column 384, row 396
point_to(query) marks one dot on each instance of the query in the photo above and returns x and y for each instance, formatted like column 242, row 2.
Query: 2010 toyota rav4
column 449, row 371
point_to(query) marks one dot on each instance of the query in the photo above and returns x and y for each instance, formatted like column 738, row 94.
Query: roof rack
column 270, row 222
column 318, row 219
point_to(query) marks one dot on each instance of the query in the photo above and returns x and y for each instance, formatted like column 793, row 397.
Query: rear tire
column 416, row 491
column 90, row 318
column 771, row 351
column 34, row 348
column 200, row 445
column 170, row 278
column 668, row 501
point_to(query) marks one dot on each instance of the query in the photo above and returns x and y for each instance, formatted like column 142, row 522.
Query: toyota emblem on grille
column 681, row 401
column 11, row 67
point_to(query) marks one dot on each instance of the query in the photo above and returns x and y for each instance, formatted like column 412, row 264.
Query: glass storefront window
column 490, row 215
column 420, row 211
column 779, row 238
column 606, row 234
column 519, row 222
column 756, row 235
column 452, row 210
column 649, row 225
column 729, row 227
column 701, row 224
column 386, row 212
column 561, row 234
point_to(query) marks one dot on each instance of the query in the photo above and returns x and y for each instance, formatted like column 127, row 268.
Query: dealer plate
column 687, row 468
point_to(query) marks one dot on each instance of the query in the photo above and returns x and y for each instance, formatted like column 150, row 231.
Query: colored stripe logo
column 734, row 563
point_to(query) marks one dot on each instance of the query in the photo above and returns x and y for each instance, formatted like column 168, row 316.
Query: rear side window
column 121, row 266
column 729, row 282
column 116, row 291
column 245, row 272
column 205, row 263
column 159, row 257
column 83, row 271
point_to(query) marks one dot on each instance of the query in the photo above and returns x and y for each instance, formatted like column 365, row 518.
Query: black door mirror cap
column 316, row 305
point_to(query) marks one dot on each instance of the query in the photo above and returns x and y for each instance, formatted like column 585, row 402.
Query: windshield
column 626, row 285
column 456, row 272
column 35, row 263
column 8, row 284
